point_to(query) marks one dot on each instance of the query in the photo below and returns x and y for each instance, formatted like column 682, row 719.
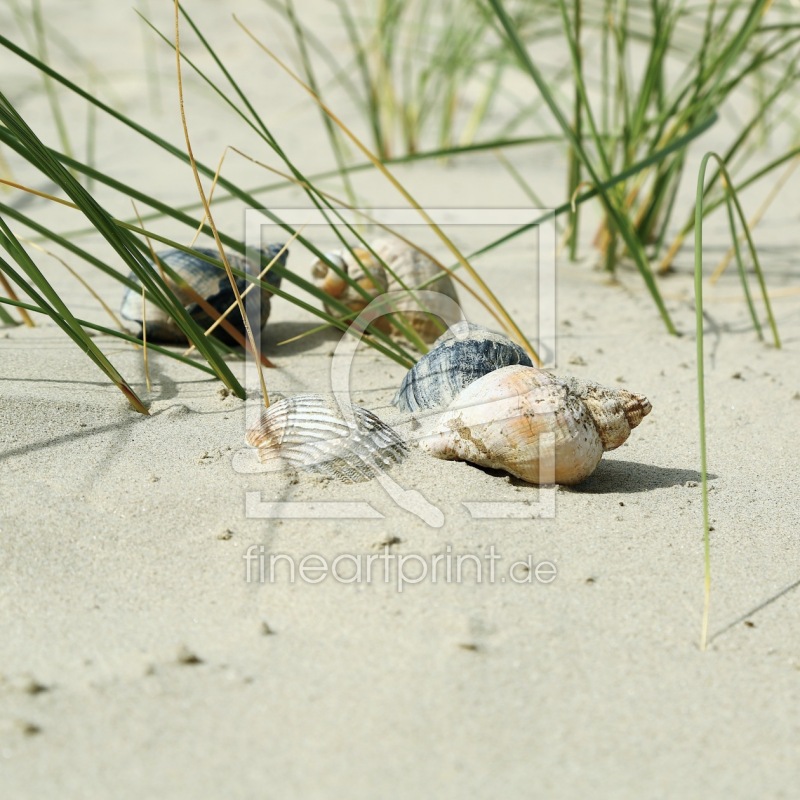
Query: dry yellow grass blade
column 232, row 306
column 86, row 285
column 207, row 208
column 36, row 192
column 12, row 295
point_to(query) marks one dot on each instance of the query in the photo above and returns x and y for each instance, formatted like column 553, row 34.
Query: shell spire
column 616, row 412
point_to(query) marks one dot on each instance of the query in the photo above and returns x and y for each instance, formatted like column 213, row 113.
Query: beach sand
column 138, row 660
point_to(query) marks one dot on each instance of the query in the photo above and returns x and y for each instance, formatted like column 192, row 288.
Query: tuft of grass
column 30, row 279
column 21, row 138
column 726, row 50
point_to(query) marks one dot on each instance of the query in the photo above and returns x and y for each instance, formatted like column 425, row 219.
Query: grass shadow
column 277, row 332
column 753, row 611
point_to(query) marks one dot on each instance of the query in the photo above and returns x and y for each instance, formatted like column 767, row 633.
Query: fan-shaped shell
column 314, row 433
column 408, row 269
column 533, row 425
column 211, row 284
column 459, row 357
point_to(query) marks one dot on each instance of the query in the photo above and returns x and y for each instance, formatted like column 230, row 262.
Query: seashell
column 211, row 284
column 313, row 432
column 407, row 269
column 362, row 269
column 464, row 353
column 411, row 269
column 534, row 425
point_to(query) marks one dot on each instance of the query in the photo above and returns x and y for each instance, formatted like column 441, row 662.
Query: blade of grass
column 126, row 337
column 740, row 266
column 58, row 311
column 52, row 96
column 701, row 401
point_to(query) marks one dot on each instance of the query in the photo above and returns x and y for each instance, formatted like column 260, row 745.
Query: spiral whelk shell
column 464, row 353
column 534, row 425
column 211, row 284
column 317, row 434
column 408, row 268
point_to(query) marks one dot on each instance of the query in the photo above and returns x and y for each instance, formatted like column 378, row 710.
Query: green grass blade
column 740, row 267
column 58, row 311
column 701, row 393
column 126, row 337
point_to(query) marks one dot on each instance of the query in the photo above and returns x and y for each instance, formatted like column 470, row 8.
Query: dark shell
column 315, row 433
column 212, row 284
column 460, row 356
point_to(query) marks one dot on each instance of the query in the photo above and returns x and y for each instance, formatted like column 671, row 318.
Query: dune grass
column 627, row 139
column 632, row 115
column 416, row 70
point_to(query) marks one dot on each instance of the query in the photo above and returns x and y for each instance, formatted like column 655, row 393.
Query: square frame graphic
column 411, row 500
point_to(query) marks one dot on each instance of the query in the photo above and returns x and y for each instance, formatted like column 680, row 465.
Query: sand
column 138, row 660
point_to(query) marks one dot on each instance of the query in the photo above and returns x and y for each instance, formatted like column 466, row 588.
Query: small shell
column 533, row 425
column 413, row 269
column 314, row 433
column 360, row 267
column 210, row 283
column 408, row 269
column 459, row 357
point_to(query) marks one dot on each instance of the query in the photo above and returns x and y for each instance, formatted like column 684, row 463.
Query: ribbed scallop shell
column 208, row 281
column 533, row 425
column 314, row 433
column 459, row 357
column 411, row 270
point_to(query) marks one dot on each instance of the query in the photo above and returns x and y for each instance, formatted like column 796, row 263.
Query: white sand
column 117, row 565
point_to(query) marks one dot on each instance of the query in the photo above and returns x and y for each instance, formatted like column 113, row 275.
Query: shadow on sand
column 627, row 477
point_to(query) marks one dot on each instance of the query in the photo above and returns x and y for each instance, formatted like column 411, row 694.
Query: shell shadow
column 627, row 477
